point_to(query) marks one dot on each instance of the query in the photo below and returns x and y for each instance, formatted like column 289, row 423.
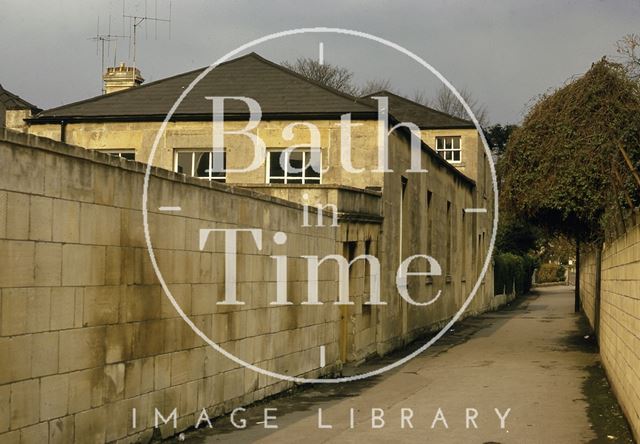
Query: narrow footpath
column 534, row 357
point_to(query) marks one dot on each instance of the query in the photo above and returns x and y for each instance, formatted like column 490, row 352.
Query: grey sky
column 504, row 52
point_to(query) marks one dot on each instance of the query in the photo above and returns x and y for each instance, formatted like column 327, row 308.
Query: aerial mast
column 135, row 21
column 104, row 40
column 103, row 44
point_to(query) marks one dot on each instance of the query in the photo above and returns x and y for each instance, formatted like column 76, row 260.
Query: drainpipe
column 63, row 131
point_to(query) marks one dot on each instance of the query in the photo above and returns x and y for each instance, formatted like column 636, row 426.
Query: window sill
column 298, row 184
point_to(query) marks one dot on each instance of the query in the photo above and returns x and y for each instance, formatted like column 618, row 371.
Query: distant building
column 14, row 109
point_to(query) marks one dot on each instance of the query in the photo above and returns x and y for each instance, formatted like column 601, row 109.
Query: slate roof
column 10, row 101
column 278, row 90
column 406, row 110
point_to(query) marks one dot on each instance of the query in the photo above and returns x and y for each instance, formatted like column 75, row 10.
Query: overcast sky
column 505, row 52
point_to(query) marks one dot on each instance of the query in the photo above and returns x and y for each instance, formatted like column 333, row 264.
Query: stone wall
column 87, row 335
column 619, row 316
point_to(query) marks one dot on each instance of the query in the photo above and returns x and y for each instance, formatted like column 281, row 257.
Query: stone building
column 391, row 215
column 421, row 212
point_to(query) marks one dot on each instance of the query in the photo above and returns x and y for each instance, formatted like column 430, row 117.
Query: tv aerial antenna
column 135, row 21
column 103, row 45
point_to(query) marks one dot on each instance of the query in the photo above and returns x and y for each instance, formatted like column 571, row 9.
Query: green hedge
column 509, row 269
column 550, row 273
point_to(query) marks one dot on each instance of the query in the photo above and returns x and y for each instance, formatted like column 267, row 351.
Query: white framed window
column 125, row 154
column 296, row 166
column 449, row 148
column 203, row 164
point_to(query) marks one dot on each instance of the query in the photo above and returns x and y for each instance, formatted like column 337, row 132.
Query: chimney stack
column 121, row 77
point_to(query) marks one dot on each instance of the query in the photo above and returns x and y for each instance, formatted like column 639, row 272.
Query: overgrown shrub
column 550, row 273
column 511, row 272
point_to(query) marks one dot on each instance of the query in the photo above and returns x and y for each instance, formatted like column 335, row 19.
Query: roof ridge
column 252, row 54
column 384, row 91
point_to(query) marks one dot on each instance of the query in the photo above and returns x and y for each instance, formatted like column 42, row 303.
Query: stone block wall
column 86, row 334
column 619, row 326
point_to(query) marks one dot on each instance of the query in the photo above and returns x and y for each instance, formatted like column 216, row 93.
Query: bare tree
column 373, row 86
column 333, row 76
column 422, row 97
column 628, row 48
column 336, row 77
column 447, row 102
column 341, row 78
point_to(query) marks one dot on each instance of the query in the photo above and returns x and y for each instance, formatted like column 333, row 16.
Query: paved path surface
column 531, row 357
